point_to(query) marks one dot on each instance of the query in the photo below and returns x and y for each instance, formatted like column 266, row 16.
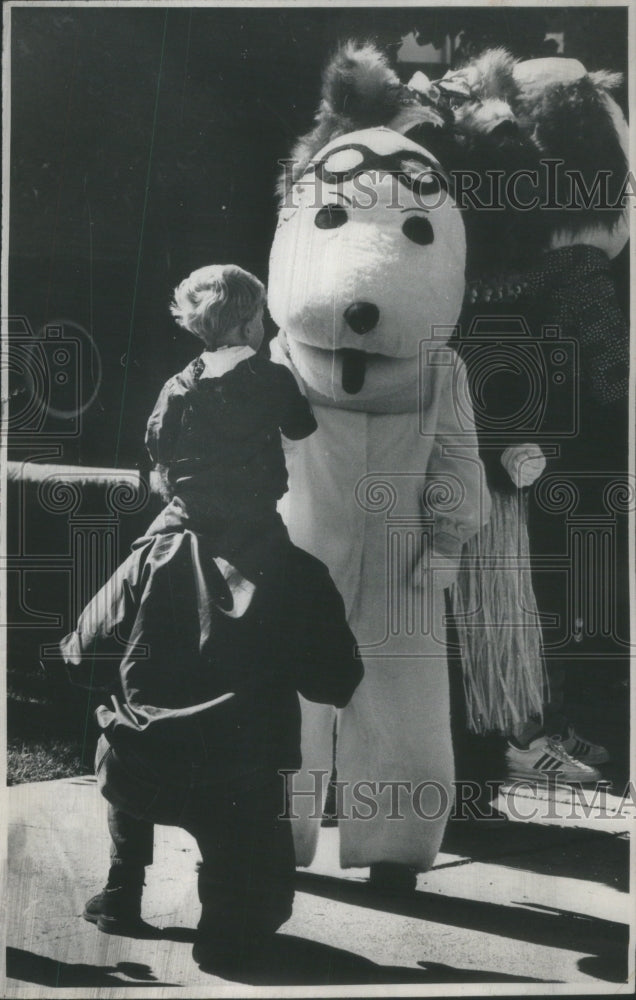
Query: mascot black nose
column 362, row 317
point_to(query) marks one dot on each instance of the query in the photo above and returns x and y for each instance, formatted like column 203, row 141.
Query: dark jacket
column 210, row 677
column 225, row 432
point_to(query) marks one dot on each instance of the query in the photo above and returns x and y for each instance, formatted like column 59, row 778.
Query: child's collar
column 217, row 363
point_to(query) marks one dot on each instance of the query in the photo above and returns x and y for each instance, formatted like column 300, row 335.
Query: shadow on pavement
column 185, row 935
column 289, row 961
column 555, row 929
column 548, row 850
column 599, row 967
column 31, row 968
column 297, row 961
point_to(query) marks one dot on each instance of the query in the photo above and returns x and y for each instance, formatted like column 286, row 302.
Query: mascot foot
column 386, row 876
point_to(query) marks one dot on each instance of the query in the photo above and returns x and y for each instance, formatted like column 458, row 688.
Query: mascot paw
column 524, row 463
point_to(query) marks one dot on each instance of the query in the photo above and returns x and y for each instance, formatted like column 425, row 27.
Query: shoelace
column 559, row 751
column 572, row 735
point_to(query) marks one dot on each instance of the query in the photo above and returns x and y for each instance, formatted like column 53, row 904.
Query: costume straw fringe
column 497, row 622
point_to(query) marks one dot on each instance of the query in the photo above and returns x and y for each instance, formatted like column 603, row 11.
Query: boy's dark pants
column 246, row 877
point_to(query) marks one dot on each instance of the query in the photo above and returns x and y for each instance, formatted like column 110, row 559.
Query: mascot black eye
column 331, row 217
column 418, row 229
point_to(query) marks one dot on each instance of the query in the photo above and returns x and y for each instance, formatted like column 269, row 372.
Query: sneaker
column 582, row 749
column 546, row 759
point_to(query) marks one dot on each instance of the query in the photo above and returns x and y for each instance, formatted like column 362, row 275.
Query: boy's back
column 217, row 426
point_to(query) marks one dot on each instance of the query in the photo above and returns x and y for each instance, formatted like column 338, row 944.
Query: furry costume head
column 510, row 115
column 369, row 255
column 359, row 91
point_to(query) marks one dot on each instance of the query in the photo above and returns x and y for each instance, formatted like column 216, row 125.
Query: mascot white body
column 366, row 282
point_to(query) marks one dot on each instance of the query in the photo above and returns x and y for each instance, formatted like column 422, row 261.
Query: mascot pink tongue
column 366, row 282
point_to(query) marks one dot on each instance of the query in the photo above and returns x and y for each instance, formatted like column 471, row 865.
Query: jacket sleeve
column 455, row 493
column 323, row 648
column 95, row 649
column 164, row 424
column 296, row 420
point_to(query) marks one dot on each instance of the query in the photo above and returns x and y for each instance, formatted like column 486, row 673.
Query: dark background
column 144, row 143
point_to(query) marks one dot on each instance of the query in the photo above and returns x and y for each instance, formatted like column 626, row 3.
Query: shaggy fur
column 359, row 90
column 506, row 127
column 480, row 118
column 566, row 121
column 491, row 75
column 571, row 122
column 513, row 124
column 483, row 138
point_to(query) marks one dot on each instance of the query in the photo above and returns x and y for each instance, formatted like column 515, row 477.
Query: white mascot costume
column 366, row 283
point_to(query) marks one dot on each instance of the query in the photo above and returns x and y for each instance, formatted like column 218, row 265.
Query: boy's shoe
column 546, row 760
column 582, row 749
column 117, row 908
column 114, row 911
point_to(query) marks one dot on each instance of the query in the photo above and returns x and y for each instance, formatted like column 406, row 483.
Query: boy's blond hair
column 215, row 299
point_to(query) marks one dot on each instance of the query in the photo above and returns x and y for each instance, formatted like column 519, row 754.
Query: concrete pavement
column 518, row 906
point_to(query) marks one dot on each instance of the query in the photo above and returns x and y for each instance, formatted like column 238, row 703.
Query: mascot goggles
column 348, row 161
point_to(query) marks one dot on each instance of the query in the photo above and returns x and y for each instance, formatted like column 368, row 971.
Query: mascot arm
column 455, row 495
column 524, row 463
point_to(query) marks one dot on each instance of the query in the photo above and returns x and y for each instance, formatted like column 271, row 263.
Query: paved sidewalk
column 514, row 903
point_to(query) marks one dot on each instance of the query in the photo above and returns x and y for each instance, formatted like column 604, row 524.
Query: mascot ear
column 359, row 88
column 359, row 91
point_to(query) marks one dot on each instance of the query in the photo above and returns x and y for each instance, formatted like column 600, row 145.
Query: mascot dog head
column 369, row 255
